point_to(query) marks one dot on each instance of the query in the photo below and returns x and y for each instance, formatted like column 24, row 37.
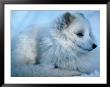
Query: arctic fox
column 56, row 50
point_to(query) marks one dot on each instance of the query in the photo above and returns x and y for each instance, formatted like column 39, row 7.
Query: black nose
column 94, row 46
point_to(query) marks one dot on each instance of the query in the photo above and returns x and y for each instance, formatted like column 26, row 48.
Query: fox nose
column 94, row 46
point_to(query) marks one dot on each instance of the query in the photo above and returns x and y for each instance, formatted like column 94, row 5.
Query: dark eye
column 80, row 34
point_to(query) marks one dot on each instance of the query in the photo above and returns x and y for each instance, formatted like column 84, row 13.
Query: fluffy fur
column 56, row 50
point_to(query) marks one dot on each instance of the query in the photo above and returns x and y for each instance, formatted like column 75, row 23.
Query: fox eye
column 80, row 34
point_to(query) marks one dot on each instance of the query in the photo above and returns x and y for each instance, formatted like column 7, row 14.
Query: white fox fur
column 62, row 49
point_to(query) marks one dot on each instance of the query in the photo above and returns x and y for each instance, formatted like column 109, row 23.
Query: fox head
column 74, row 31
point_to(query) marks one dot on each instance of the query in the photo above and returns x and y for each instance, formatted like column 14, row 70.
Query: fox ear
column 68, row 18
column 64, row 21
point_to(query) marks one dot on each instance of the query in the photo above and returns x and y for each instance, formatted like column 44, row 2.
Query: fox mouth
column 85, row 49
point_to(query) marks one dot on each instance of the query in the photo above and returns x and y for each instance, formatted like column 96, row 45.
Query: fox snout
column 94, row 46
